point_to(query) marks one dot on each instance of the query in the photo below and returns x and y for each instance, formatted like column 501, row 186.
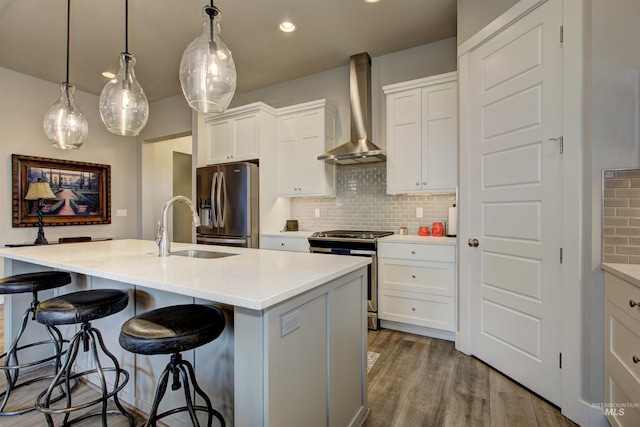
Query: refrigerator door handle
column 214, row 217
column 221, row 187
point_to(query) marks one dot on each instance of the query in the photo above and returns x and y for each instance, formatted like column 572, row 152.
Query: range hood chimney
column 360, row 149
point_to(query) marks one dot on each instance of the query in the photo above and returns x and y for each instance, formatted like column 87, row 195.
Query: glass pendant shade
column 123, row 104
column 64, row 124
column 207, row 70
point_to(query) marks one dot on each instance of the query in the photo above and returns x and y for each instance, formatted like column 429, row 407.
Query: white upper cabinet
column 236, row 135
column 422, row 136
column 304, row 132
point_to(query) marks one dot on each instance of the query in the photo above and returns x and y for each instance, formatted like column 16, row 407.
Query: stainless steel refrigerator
column 227, row 197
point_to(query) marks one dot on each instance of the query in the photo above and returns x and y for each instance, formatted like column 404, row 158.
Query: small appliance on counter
column 291, row 225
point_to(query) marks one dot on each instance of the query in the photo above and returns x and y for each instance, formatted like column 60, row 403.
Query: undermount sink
column 194, row 253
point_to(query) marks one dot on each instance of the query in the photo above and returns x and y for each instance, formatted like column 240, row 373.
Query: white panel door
column 246, row 139
column 311, row 145
column 404, row 163
column 439, row 137
column 515, row 190
column 219, row 141
column 287, row 157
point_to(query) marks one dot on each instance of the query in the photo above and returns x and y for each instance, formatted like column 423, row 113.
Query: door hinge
column 559, row 139
column 560, row 360
column 561, row 34
column 560, row 255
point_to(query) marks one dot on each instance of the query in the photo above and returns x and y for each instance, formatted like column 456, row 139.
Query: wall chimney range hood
column 360, row 149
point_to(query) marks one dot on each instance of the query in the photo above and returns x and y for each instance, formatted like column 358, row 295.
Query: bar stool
column 171, row 330
column 81, row 308
column 18, row 284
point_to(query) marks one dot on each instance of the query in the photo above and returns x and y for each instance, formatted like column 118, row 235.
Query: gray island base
column 294, row 349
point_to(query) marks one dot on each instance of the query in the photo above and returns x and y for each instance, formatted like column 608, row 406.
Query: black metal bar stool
column 171, row 330
column 11, row 366
column 81, row 308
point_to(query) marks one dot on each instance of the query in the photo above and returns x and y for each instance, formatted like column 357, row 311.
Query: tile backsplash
column 621, row 216
column 361, row 203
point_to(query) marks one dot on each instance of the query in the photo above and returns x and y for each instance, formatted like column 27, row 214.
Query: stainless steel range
column 355, row 243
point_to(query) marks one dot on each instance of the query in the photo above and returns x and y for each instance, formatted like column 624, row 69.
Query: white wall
column 612, row 116
column 333, row 85
column 24, row 101
column 169, row 118
column 473, row 15
column 156, row 175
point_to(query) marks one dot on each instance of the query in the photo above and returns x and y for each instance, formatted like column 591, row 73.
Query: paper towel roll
column 452, row 224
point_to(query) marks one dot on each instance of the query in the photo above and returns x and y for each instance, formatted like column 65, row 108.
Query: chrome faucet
column 162, row 236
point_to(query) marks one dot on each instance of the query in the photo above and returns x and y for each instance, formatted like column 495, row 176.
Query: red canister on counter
column 437, row 229
column 423, row 230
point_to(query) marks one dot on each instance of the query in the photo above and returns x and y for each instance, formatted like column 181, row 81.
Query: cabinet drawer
column 623, row 338
column 620, row 292
column 443, row 253
column 431, row 311
column 625, row 413
column 417, row 276
column 284, row 243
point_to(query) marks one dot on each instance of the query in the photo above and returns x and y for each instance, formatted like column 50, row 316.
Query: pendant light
column 123, row 104
column 207, row 70
column 64, row 124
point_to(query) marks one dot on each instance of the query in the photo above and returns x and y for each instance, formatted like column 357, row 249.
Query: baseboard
column 418, row 330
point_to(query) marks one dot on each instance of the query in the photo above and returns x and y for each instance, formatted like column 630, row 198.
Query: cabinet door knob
column 413, row 309
column 633, row 303
column 413, row 252
column 635, row 359
column 413, row 276
column 282, row 244
column 417, row 182
column 424, row 182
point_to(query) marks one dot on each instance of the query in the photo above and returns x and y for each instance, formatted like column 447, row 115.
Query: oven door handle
column 338, row 251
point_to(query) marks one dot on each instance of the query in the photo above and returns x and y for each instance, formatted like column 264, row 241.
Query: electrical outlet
column 317, row 213
column 419, row 212
column 289, row 322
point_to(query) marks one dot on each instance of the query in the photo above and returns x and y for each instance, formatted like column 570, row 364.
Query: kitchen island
column 293, row 352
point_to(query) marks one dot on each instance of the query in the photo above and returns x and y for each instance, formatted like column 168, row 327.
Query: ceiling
column 33, row 37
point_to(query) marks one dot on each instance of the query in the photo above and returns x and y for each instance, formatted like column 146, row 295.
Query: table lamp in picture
column 39, row 191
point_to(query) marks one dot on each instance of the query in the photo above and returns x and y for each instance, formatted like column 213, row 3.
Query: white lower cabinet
column 297, row 243
column 416, row 287
column 622, row 351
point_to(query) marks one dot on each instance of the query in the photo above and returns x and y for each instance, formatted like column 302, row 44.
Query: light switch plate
column 419, row 212
column 121, row 212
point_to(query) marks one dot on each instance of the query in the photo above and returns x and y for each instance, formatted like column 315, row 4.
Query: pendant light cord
column 126, row 26
column 68, row 37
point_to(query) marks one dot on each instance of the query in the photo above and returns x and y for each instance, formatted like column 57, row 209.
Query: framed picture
column 81, row 192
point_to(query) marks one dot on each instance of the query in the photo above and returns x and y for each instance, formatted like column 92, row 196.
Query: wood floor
column 419, row 381
column 416, row 382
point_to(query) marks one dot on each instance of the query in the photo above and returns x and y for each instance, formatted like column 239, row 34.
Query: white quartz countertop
column 254, row 279
column 628, row 272
column 412, row 238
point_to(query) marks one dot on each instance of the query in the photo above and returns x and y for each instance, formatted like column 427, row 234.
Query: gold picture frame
column 82, row 190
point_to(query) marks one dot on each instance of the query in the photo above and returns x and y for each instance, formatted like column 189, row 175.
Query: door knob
column 473, row 243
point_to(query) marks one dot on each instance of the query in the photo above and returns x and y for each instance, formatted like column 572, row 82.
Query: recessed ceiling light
column 108, row 74
column 287, row 26
column 372, row 1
